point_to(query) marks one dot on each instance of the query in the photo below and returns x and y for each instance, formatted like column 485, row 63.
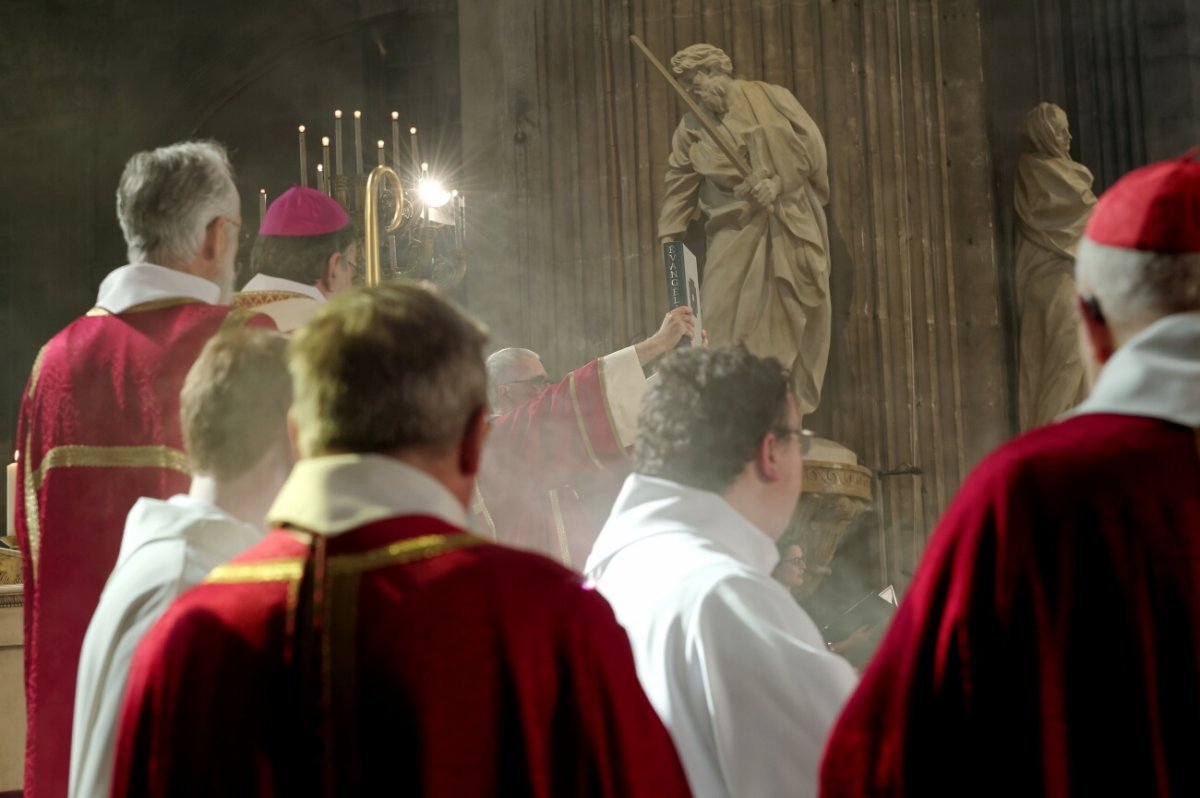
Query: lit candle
column 416, row 154
column 381, row 152
column 303, row 160
column 424, row 177
column 395, row 139
column 11, row 493
column 262, row 205
column 325, row 160
column 321, row 178
column 358, row 142
column 337, row 138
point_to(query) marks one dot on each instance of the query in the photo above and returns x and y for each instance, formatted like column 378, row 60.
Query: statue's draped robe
column 98, row 428
column 1052, row 199
column 766, row 275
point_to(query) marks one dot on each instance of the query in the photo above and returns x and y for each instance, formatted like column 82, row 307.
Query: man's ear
column 293, row 432
column 470, row 453
column 1097, row 335
column 767, row 462
column 325, row 281
column 215, row 239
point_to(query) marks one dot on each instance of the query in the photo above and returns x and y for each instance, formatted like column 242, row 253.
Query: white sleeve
column 774, row 690
column 624, row 384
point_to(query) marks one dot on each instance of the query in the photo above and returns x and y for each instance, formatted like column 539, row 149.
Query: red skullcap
column 303, row 212
column 1152, row 209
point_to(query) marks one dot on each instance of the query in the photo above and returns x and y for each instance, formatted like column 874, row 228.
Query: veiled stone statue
column 1052, row 199
column 766, row 275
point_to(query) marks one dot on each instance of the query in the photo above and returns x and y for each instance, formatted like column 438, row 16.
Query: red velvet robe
column 544, row 462
column 98, row 428
column 438, row 664
column 1050, row 642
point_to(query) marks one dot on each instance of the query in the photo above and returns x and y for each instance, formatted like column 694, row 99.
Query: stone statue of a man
column 1052, row 199
column 766, row 276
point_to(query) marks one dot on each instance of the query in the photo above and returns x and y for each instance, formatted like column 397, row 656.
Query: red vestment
column 404, row 657
column 1050, row 642
column 99, row 428
column 544, row 462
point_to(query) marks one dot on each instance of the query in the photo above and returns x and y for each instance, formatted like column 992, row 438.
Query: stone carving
column 766, row 276
column 1052, row 199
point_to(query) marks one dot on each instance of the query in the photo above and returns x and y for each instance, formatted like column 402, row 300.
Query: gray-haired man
column 99, row 422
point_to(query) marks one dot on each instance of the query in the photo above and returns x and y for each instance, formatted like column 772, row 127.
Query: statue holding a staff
column 750, row 160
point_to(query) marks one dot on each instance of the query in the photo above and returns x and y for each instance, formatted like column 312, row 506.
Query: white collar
column 204, row 526
column 340, row 492
column 649, row 506
column 1155, row 374
column 265, row 282
column 139, row 283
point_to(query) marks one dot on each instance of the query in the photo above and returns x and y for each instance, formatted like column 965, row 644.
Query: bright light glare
column 433, row 193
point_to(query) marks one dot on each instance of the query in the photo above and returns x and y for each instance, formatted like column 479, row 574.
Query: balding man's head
column 514, row 377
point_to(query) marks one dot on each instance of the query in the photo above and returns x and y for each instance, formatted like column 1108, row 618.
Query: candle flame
column 262, row 191
column 324, row 141
column 454, row 193
column 424, row 166
column 412, row 130
column 302, row 128
column 395, row 114
column 381, row 144
column 337, row 114
column 320, row 168
column 357, row 114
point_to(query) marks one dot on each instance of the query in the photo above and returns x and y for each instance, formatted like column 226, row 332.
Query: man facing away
column 1050, row 643
column 305, row 252
column 99, row 419
column 370, row 645
column 555, row 447
column 734, row 666
column 234, row 407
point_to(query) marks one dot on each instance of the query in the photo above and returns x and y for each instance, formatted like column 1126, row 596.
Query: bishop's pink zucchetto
column 301, row 212
column 1152, row 209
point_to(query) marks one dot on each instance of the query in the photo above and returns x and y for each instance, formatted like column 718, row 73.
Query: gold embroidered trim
column 33, row 524
column 289, row 570
column 157, row 304
column 255, row 299
column 481, row 508
column 564, row 553
column 587, row 443
column 36, row 371
column 403, row 551
column 157, row 456
column 608, row 408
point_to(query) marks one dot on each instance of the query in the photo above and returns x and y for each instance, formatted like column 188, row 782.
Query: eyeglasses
column 539, row 382
column 353, row 264
column 803, row 436
column 796, row 561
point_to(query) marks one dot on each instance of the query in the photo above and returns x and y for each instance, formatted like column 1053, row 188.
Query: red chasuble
column 1050, row 643
column 543, row 461
column 404, row 657
column 99, row 427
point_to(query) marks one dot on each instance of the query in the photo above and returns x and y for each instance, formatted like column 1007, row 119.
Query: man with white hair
column 556, row 446
column 99, row 420
column 1050, row 643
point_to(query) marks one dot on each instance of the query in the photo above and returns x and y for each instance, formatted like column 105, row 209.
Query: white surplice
column 167, row 547
column 295, row 306
column 736, row 669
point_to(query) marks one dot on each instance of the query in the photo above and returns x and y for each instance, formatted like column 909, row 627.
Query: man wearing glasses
column 737, row 671
column 305, row 252
column 556, row 447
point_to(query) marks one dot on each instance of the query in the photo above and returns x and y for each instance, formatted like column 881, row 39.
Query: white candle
column 381, row 152
column 337, row 139
column 416, row 154
column 395, row 139
column 358, row 142
column 262, row 205
column 11, row 492
column 325, row 160
column 321, row 178
column 458, row 225
column 303, row 160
